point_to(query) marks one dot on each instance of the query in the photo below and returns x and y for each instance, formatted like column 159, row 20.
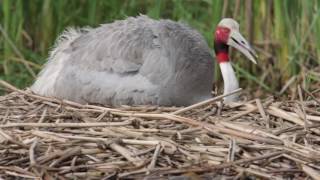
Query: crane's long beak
column 237, row 41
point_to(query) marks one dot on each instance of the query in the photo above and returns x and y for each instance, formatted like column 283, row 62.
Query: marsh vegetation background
column 285, row 33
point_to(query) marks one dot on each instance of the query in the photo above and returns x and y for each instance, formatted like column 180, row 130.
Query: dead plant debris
column 47, row 138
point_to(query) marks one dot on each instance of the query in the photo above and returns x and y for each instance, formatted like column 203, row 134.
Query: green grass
column 286, row 33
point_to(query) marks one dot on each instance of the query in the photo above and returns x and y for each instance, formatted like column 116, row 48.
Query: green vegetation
column 286, row 33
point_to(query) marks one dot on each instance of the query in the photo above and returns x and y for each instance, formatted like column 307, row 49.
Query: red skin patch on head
column 220, row 42
column 222, row 34
column 222, row 57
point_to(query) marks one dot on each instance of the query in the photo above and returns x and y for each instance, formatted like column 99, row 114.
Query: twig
column 154, row 157
column 303, row 113
column 66, row 125
column 222, row 166
column 31, row 152
column 10, row 139
column 127, row 154
column 285, row 115
column 311, row 172
column 232, row 150
column 237, row 116
column 288, row 83
column 263, row 113
column 258, row 173
column 180, row 111
column 67, row 154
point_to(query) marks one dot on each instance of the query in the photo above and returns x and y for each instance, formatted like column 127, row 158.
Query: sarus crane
column 140, row 61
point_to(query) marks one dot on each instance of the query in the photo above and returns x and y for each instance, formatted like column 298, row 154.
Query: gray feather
column 133, row 61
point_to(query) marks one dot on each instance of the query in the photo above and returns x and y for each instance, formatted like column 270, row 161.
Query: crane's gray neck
column 230, row 81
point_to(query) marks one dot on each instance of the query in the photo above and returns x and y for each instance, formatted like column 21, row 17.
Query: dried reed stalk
column 52, row 138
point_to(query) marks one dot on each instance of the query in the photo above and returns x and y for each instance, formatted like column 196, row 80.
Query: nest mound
column 52, row 139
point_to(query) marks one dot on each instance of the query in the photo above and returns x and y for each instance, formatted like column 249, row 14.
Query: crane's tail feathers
column 45, row 82
column 67, row 37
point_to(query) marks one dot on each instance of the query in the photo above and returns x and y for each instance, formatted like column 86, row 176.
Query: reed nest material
column 47, row 138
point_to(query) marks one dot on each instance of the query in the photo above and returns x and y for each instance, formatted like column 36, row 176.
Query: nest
column 47, row 138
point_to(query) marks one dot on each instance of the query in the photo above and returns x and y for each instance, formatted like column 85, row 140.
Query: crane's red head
column 220, row 44
column 227, row 34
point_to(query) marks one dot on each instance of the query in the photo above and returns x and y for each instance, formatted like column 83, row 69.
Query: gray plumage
column 134, row 61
